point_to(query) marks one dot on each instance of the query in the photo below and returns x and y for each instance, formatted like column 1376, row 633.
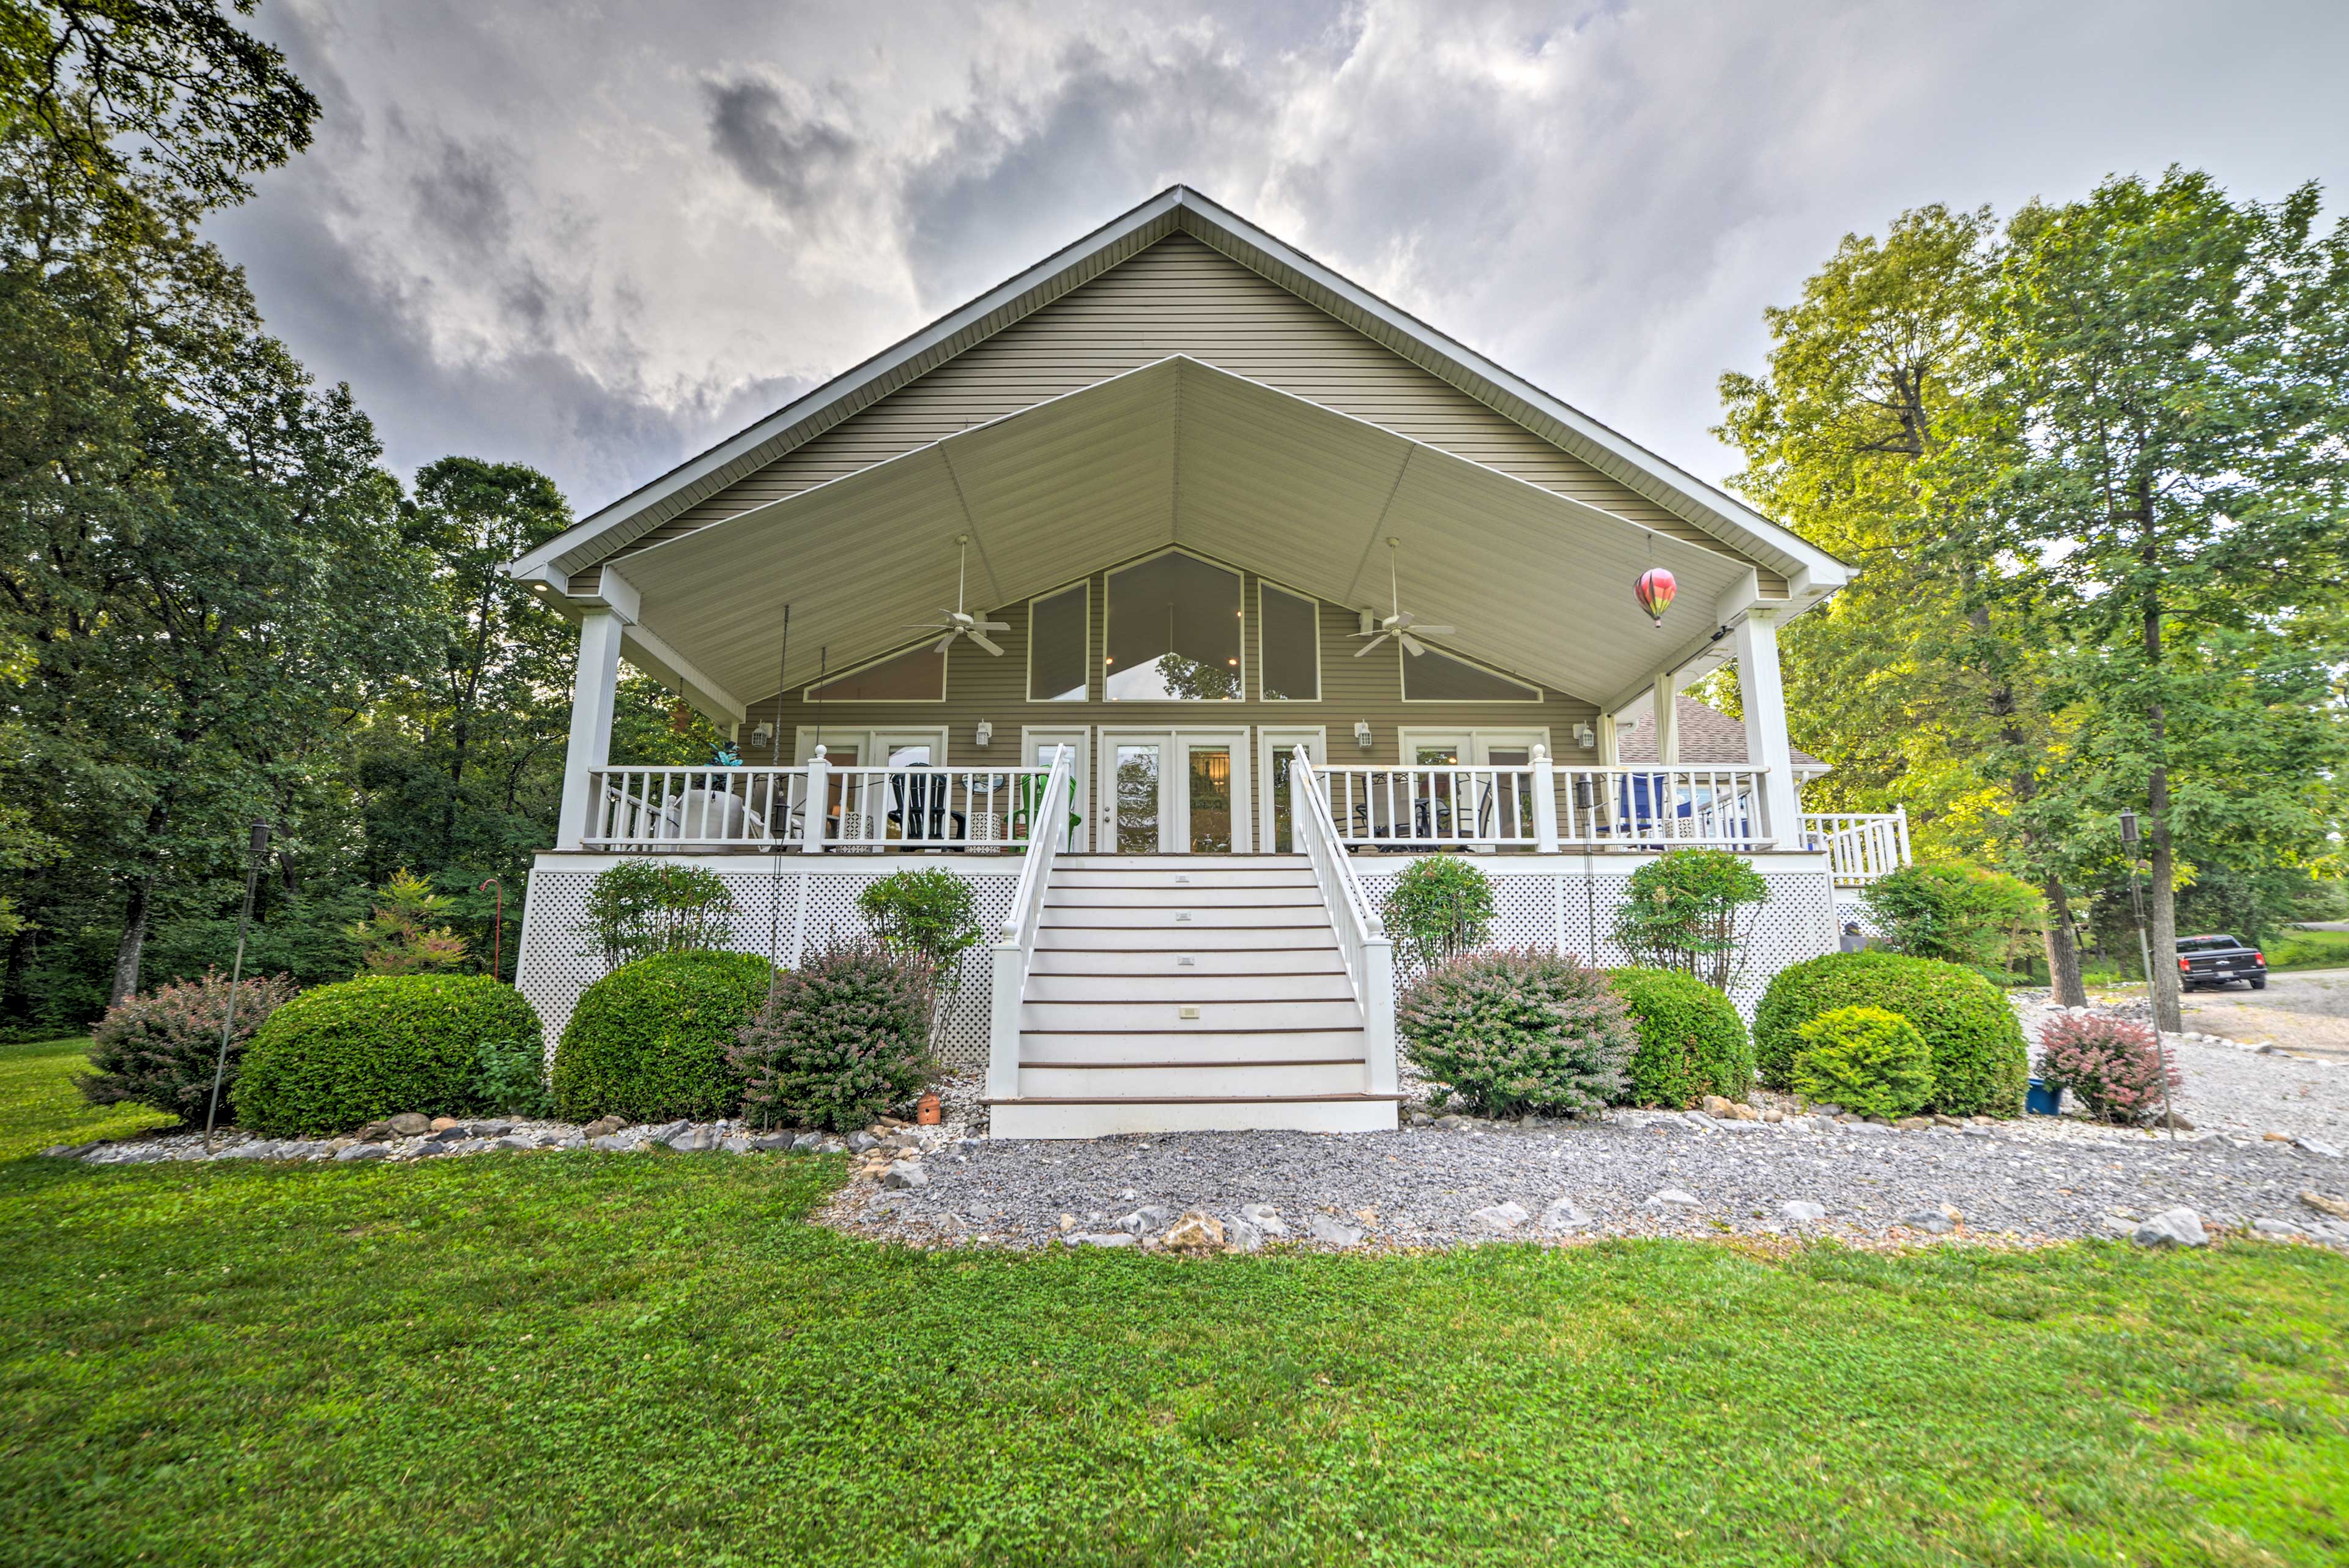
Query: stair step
column 1191, row 939
column 1153, row 1017
column 1208, row 916
column 1068, row 1116
column 1188, row 1080
column 1169, row 897
column 1300, row 876
column 1167, row 984
column 1179, row 863
column 1085, row 1050
column 1208, row 963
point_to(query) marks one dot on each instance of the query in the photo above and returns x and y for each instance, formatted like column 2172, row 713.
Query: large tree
column 2181, row 364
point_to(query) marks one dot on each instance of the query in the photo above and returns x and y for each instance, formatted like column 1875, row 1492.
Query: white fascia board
column 846, row 384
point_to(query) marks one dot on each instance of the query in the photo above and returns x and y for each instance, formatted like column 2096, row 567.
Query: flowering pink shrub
column 159, row 1048
column 2115, row 1067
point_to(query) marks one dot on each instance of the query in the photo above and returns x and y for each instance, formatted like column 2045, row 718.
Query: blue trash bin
column 2044, row 1101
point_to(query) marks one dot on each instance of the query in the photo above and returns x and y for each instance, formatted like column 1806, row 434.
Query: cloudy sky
column 599, row 237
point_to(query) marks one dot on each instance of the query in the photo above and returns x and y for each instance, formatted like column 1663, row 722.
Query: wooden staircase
column 1179, row 993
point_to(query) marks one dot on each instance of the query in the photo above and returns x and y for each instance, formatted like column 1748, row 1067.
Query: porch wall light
column 1363, row 734
column 986, row 733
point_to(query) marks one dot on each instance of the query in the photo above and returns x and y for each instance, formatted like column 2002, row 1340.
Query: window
column 1288, row 645
column 1173, row 632
column 918, row 675
column 1434, row 677
column 1057, row 666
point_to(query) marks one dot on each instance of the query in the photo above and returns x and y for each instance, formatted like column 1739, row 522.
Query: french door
column 1174, row 791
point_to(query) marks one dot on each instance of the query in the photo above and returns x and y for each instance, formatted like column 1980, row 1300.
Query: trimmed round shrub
column 1511, row 1030
column 1981, row 1065
column 2114, row 1067
column 338, row 1056
column 1870, row 1061
column 842, row 1039
column 1692, row 1041
column 649, row 1040
column 161, row 1047
column 1440, row 905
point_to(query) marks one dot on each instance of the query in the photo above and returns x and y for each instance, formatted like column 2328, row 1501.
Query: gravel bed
column 1435, row 1185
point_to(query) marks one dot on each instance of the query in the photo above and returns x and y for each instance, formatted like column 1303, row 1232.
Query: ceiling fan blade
column 1433, row 631
column 992, row 625
column 945, row 642
column 981, row 638
column 1411, row 645
column 1375, row 639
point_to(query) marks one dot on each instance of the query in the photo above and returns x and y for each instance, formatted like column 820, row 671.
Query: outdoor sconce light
column 1363, row 734
column 763, row 734
column 986, row 731
column 1585, row 736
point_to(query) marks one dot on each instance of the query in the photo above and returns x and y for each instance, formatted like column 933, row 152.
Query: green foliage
column 510, row 1077
column 1870, row 1061
column 843, row 1039
column 161, row 1047
column 1981, row 1066
column 399, row 937
column 1692, row 1041
column 1965, row 914
column 1688, row 910
column 338, row 1056
column 1509, row 1031
column 1440, row 907
column 2114, row 1067
column 930, row 914
column 640, row 907
column 649, row 1040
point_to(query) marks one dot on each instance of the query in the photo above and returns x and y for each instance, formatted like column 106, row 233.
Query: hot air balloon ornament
column 1654, row 591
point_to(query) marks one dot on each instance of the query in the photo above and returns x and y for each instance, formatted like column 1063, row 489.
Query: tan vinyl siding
column 979, row 686
column 1180, row 297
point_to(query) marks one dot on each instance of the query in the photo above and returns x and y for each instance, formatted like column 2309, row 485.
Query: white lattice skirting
column 783, row 914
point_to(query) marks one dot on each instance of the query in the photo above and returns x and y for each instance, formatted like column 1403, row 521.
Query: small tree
column 1440, row 907
column 400, row 936
column 1689, row 909
column 1962, row 913
column 640, row 907
column 929, row 915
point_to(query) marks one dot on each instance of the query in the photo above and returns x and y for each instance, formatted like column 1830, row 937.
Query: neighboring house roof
column 1708, row 735
column 1180, row 210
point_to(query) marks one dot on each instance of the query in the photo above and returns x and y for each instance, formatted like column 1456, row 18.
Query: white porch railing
column 1015, row 947
column 1861, row 846
column 981, row 809
column 1545, row 807
column 1362, row 940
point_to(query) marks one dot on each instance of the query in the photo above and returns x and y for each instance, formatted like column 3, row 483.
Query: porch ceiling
column 1177, row 452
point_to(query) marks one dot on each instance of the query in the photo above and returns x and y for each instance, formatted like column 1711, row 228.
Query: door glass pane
column 912, row 755
column 1506, row 804
column 1283, row 759
column 1287, row 631
column 1211, row 799
column 1431, row 804
column 1056, row 647
column 1173, row 632
column 1137, row 800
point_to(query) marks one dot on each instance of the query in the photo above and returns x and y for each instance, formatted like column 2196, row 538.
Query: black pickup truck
column 2218, row 959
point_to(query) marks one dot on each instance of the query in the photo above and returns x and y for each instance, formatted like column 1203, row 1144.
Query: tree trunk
column 2063, row 953
column 133, row 945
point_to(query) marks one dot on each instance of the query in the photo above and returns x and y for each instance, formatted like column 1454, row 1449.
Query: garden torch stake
column 261, row 831
column 497, row 928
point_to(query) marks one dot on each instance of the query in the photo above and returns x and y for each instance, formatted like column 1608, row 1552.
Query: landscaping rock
column 2325, row 1203
column 693, row 1140
column 1196, row 1232
column 2316, row 1145
column 1100, row 1238
column 771, row 1143
column 2172, row 1227
column 1933, row 1221
column 808, row 1142
column 451, row 1134
column 497, row 1127
column 409, row 1124
column 374, row 1132
column 1240, row 1236
column 1331, row 1233
column 1672, row 1197
column 517, row 1140
column 664, row 1132
column 260, row 1149
column 1141, row 1221
column 858, row 1142
column 1499, row 1218
column 442, row 1123
column 2278, row 1228
column 609, row 1143
column 366, row 1151
column 600, row 1126
column 1265, row 1218
column 906, row 1173
column 1803, row 1212
column 1565, row 1214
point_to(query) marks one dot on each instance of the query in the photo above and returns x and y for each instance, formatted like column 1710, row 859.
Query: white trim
column 1109, row 577
column 945, row 676
column 1174, row 802
column 1271, row 739
column 1403, row 692
column 1481, row 742
column 1313, row 607
column 1084, row 656
column 1079, row 738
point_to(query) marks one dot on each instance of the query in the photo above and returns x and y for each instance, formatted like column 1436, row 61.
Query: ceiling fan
column 1401, row 625
column 959, row 621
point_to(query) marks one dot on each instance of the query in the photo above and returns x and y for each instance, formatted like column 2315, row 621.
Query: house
column 1171, row 592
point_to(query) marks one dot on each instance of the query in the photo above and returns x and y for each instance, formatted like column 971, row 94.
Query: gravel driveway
column 2305, row 1011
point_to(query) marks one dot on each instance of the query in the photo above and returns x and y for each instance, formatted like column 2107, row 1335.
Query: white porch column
column 1764, row 702
column 1667, row 721
column 593, row 696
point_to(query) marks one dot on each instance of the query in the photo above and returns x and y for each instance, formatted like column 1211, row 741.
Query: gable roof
column 1181, row 209
column 1708, row 737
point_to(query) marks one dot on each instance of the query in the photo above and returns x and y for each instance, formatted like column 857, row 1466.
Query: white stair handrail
column 1015, row 946
column 1362, row 940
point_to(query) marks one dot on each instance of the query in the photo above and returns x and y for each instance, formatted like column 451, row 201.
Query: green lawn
column 2295, row 949
column 39, row 1105
column 591, row 1360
